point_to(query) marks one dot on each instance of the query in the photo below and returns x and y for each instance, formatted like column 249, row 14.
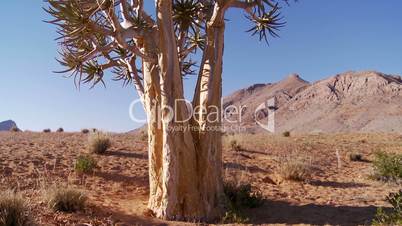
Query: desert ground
column 338, row 192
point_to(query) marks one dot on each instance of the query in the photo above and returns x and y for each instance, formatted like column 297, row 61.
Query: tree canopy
column 97, row 35
column 154, row 53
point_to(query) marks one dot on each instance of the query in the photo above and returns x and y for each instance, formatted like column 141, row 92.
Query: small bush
column 85, row 131
column 47, row 130
column 13, row 210
column 295, row 168
column 234, row 217
column 239, row 197
column 60, row 130
column 65, row 199
column 286, row 134
column 15, row 129
column 355, row 157
column 85, row 164
column 242, row 195
column 235, row 146
column 394, row 216
column 98, row 143
column 387, row 167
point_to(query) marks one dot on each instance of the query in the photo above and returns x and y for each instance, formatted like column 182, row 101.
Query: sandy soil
column 338, row 192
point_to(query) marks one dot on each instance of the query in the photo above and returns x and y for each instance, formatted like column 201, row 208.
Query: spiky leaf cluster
column 185, row 15
column 86, row 49
column 96, row 35
column 266, row 23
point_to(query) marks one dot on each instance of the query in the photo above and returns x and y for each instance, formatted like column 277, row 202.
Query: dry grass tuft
column 98, row 143
column 235, row 146
column 13, row 210
column 296, row 168
column 59, row 198
column 240, row 196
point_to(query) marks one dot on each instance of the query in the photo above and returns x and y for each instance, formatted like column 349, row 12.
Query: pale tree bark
column 185, row 157
column 152, row 103
column 207, row 100
column 179, row 197
column 185, row 172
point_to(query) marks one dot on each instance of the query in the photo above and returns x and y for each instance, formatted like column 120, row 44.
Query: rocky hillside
column 7, row 125
column 349, row 102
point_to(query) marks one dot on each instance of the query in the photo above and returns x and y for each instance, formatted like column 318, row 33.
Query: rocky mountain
column 366, row 101
column 7, row 125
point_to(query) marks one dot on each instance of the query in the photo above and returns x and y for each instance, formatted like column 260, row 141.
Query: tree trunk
column 209, row 145
column 174, row 186
column 155, row 138
column 185, row 167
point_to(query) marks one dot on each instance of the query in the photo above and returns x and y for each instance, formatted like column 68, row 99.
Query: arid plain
column 338, row 191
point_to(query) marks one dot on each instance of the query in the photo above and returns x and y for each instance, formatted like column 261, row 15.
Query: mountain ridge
column 363, row 101
column 7, row 125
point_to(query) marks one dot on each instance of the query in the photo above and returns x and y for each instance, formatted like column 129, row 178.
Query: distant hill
column 7, row 125
column 366, row 101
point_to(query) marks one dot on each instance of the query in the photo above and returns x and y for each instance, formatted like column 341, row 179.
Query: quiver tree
column 153, row 51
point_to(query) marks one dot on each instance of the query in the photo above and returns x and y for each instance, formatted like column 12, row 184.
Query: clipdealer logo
column 211, row 114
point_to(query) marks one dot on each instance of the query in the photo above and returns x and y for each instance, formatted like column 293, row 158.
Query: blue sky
column 322, row 38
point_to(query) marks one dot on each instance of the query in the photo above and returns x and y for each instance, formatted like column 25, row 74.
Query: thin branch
column 132, row 68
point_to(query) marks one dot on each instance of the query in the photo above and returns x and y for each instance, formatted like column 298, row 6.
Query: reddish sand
column 338, row 193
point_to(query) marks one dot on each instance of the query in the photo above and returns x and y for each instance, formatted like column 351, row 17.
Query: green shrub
column 98, row 143
column 47, row 130
column 235, row 146
column 295, row 168
column 394, row 216
column 13, row 210
column 286, row 134
column 60, row 130
column 355, row 157
column 85, row 164
column 387, row 167
column 65, row 199
column 239, row 197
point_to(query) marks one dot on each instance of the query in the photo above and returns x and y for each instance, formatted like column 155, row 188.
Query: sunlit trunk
column 185, row 165
column 209, row 145
column 155, row 133
column 175, row 193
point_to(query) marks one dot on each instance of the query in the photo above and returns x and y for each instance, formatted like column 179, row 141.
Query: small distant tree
column 153, row 54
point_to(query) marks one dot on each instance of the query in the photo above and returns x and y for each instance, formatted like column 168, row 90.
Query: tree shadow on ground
column 126, row 154
column 121, row 218
column 334, row 184
column 254, row 152
column 252, row 169
column 280, row 212
column 120, row 178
